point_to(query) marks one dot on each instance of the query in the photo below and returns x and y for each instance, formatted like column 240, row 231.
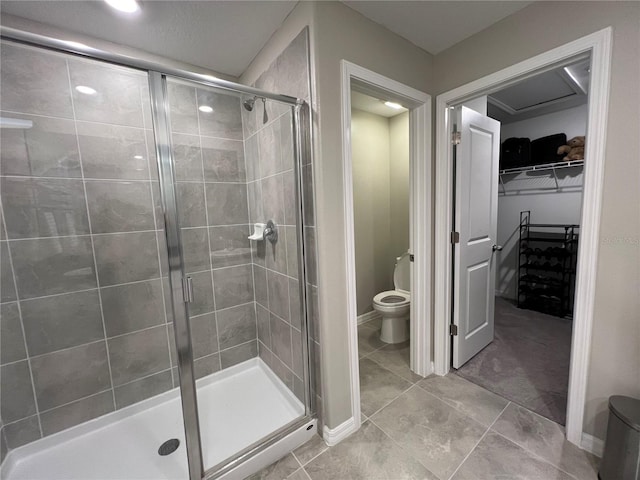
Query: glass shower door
column 84, row 301
column 234, row 172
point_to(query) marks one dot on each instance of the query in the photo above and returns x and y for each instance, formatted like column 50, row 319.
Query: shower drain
column 169, row 447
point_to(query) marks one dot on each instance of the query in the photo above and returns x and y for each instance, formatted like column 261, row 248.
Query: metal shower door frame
column 301, row 130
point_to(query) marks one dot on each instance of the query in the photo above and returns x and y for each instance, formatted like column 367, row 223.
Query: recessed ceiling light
column 138, row 157
column 395, row 106
column 205, row 108
column 126, row 6
column 86, row 90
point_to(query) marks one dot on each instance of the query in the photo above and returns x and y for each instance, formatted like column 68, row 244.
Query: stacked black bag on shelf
column 522, row 152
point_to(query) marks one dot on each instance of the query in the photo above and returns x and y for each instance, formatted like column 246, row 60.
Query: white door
column 476, row 221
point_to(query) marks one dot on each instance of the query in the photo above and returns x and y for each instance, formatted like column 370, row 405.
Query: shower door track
column 159, row 105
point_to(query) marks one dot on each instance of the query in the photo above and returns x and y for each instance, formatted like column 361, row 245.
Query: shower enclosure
column 143, row 334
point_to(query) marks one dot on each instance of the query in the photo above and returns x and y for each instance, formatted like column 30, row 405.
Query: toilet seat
column 392, row 298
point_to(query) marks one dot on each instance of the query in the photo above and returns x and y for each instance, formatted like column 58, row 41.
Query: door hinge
column 453, row 329
column 455, row 237
column 456, row 138
column 411, row 257
column 187, row 289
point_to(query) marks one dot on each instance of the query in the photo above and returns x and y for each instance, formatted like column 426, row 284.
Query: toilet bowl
column 395, row 305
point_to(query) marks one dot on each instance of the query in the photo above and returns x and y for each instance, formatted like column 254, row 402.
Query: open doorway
column 387, row 223
column 537, row 208
column 598, row 47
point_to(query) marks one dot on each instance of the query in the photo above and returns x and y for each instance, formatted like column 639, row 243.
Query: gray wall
column 84, row 330
column 380, row 156
column 84, row 289
column 271, row 193
column 615, row 348
column 371, row 205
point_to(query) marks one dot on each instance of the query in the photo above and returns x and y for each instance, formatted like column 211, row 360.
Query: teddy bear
column 574, row 149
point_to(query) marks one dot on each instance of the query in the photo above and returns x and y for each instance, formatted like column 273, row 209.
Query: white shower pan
column 237, row 406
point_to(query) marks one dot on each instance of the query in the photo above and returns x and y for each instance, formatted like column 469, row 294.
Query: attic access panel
column 536, row 91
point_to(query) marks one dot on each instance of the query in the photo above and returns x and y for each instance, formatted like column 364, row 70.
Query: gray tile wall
column 271, row 194
column 212, row 204
column 82, row 255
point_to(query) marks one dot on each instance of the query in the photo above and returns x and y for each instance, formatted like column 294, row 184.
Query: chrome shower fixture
column 265, row 117
column 249, row 103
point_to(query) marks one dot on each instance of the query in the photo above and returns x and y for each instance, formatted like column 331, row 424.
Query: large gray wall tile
column 118, row 97
column 281, row 340
column 132, row 307
column 138, row 354
column 273, row 199
column 7, row 288
column 294, row 304
column 251, row 158
column 204, row 335
column 187, row 157
column 223, row 160
column 68, row 375
column 111, row 151
column 126, row 257
column 61, row 321
column 204, row 366
column 119, row 206
column 225, row 120
column 17, row 393
column 34, row 81
column 182, row 108
column 230, row 245
column 263, row 318
column 227, row 204
column 278, row 294
column 269, row 147
column 239, row 354
column 142, row 389
column 44, row 207
column 48, row 149
column 191, row 205
column 195, row 249
column 236, row 325
column 49, row 266
column 254, row 198
column 260, row 285
column 11, row 338
column 202, row 293
column 77, row 412
column 233, row 286
column 22, row 432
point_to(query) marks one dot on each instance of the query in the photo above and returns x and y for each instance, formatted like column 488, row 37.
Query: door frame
column 598, row 45
column 419, row 104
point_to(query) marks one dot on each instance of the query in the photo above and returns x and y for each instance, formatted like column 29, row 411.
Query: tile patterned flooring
column 436, row 428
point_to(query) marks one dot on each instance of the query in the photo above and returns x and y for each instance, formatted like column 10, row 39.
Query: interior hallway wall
column 371, row 206
column 615, row 348
column 400, row 185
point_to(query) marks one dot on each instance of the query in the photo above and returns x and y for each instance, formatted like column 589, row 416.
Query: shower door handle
column 187, row 289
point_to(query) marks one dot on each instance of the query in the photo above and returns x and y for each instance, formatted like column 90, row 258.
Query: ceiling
column 559, row 89
column 435, row 26
column 362, row 101
column 225, row 36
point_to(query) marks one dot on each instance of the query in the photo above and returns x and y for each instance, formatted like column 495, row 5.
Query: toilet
column 394, row 305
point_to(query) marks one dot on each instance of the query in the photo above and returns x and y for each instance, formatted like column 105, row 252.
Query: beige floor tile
column 477, row 402
column 436, row 434
column 547, row 440
column 378, row 386
column 366, row 455
column 495, row 457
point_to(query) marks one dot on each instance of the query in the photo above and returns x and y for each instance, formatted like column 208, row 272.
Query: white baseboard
column 592, row 444
column 333, row 436
column 367, row 317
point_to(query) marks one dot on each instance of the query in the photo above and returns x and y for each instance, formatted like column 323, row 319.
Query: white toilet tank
column 402, row 273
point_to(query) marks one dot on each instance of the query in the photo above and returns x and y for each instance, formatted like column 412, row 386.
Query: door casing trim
column 598, row 45
column 419, row 104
